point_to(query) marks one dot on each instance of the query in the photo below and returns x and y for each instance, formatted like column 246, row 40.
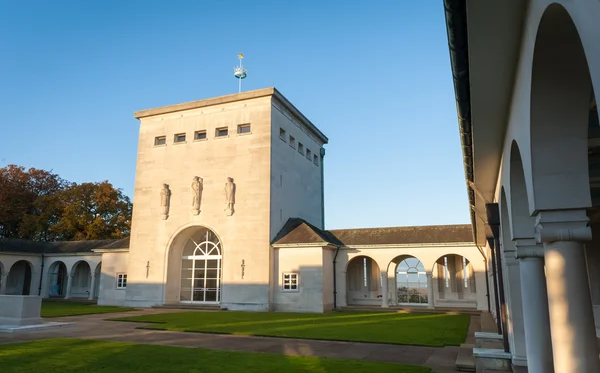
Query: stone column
column 570, row 307
column 69, row 282
column 514, row 305
column 384, row 290
column 536, row 319
column 93, row 286
column 3, row 278
column 430, row 302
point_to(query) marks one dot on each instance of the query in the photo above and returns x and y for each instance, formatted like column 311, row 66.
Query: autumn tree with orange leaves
column 39, row 205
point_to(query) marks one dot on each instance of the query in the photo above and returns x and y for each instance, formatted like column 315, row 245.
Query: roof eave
column 115, row 250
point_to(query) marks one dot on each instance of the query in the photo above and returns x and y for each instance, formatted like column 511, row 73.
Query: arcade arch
column 454, row 280
column 81, row 280
column 18, row 281
column 57, row 280
column 409, row 286
column 363, row 281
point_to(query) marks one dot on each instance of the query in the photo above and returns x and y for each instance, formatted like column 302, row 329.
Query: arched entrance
column 57, row 280
column 455, row 280
column 201, row 268
column 363, row 282
column 410, row 281
column 80, row 283
column 18, row 281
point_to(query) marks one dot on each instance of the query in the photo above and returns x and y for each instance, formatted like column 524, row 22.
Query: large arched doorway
column 363, row 282
column 18, row 281
column 81, row 281
column 201, row 268
column 57, row 280
column 455, row 281
column 410, row 281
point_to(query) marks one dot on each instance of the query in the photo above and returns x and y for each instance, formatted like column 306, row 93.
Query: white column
column 69, row 282
column 536, row 319
column 430, row 290
column 93, row 286
column 384, row 290
column 571, row 317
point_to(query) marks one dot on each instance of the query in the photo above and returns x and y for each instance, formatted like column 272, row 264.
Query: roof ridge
column 402, row 226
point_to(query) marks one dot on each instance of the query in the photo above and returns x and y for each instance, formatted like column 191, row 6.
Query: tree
column 38, row 205
column 94, row 211
column 29, row 206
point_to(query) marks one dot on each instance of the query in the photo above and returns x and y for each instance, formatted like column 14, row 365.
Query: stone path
column 441, row 360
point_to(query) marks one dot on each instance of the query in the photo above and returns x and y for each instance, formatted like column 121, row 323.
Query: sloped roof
column 405, row 235
column 15, row 245
column 299, row 231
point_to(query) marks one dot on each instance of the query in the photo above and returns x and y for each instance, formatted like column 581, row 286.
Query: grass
column 58, row 309
column 77, row 355
column 435, row 330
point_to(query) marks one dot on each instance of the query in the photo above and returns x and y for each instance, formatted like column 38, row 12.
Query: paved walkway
column 441, row 360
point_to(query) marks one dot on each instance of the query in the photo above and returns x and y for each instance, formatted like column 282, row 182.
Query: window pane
column 180, row 137
column 244, row 128
column 222, row 132
column 160, row 140
column 200, row 135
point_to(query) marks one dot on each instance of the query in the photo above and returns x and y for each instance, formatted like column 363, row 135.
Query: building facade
column 228, row 212
column 525, row 75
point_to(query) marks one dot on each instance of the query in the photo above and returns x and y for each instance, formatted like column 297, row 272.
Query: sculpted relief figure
column 229, row 196
column 197, row 186
column 165, row 200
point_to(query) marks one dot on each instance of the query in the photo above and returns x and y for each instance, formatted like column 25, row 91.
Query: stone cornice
column 206, row 102
column 566, row 225
column 288, row 108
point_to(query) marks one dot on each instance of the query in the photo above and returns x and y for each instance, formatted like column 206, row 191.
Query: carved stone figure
column 229, row 196
column 165, row 201
column 197, row 186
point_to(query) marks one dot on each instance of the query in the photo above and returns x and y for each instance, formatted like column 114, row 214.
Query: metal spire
column 240, row 72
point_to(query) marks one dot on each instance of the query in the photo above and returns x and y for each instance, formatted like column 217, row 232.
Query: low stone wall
column 20, row 310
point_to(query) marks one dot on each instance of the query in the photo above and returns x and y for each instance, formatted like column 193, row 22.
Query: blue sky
column 374, row 76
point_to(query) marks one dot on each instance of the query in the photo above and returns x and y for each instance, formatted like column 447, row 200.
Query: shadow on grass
column 76, row 355
column 435, row 330
column 63, row 309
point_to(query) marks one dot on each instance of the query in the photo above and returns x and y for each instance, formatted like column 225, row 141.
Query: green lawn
column 385, row 327
column 77, row 355
column 58, row 309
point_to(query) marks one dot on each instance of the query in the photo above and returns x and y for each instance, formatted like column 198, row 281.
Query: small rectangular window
column 292, row 142
column 222, row 132
column 121, row 280
column 243, row 128
column 160, row 140
column 300, row 148
column 180, row 137
column 308, row 154
column 290, row 282
column 200, row 135
column 282, row 135
column 316, row 159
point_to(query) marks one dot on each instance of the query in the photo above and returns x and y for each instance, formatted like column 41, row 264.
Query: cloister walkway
column 440, row 359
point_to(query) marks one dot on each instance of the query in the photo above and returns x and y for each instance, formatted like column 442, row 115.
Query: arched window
column 411, row 281
column 201, row 268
